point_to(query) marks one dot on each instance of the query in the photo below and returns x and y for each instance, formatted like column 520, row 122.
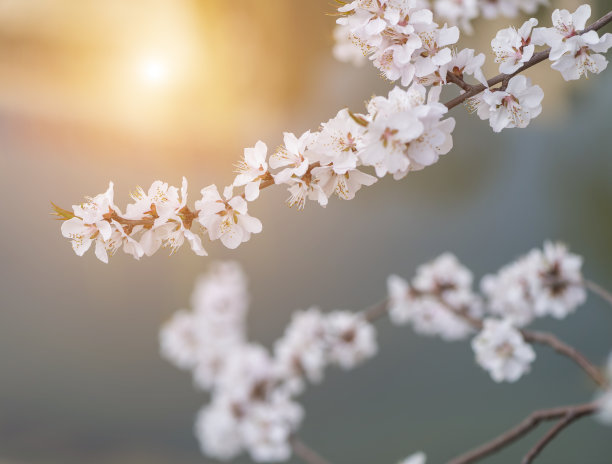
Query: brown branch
column 569, row 417
column 598, row 290
column 376, row 311
column 535, row 59
column 306, row 453
column 532, row 421
column 563, row 348
column 458, row 80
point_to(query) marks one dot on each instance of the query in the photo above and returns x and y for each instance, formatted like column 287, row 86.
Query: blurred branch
column 571, row 416
column 306, row 453
column 598, row 290
column 545, row 338
column 567, row 413
column 537, row 58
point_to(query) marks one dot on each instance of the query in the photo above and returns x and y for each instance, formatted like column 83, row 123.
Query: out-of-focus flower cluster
column 253, row 391
column 402, row 132
column 440, row 302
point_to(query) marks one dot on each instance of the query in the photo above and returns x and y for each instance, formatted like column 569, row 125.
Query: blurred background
column 152, row 89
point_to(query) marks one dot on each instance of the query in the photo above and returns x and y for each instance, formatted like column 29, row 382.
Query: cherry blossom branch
column 598, row 290
column 545, row 338
column 570, row 417
column 531, row 422
column 500, row 78
column 306, row 453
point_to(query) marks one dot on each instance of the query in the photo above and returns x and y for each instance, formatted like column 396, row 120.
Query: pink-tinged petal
column 73, row 227
column 250, row 224
column 442, row 57
column 150, row 242
column 448, row 36
column 232, row 238
column 100, row 251
column 527, row 26
column 603, row 44
column 81, row 245
column 196, row 243
column 376, row 26
column 424, row 16
column 251, row 191
column 291, row 142
column 580, row 16
column 105, row 229
column 210, row 194
column 239, row 205
column 362, row 177
column 184, row 192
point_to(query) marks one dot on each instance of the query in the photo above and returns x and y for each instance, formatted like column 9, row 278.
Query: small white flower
column 416, row 458
column 217, row 429
column 345, row 49
column 583, row 55
column 565, row 26
column 291, row 156
column 226, row 218
column 557, row 287
column 308, row 187
column 501, row 350
column 434, row 51
column 513, row 48
column 508, row 292
column 350, row 338
column 267, row 428
column 467, row 63
column 179, row 341
column 252, row 170
column 400, row 300
column 514, row 107
column 345, row 185
column 338, row 143
column 457, row 12
column 302, row 351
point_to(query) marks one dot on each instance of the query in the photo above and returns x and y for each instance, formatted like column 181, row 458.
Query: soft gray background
column 82, row 381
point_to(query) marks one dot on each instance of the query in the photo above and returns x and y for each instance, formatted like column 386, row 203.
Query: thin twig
column 306, row 453
column 535, row 59
column 570, row 417
column 376, row 311
column 545, row 338
column 598, row 290
column 521, row 429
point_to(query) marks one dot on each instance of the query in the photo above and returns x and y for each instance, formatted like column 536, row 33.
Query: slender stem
column 535, row 59
column 306, row 453
column 598, row 290
column 452, row 77
column 528, row 424
column 563, row 348
column 376, row 311
column 569, row 417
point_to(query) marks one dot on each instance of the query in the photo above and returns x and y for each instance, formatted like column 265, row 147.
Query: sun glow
column 154, row 71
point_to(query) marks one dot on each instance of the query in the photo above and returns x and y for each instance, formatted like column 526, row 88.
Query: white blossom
column 501, row 350
column 252, row 170
column 457, row 13
column 400, row 300
column 557, row 287
column 514, row 107
column 301, row 353
column 345, row 49
column 217, row 428
column 467, row 63
column 291, row 157
column 434, row 51
column 572, row 53
column 508, row 292
column 226, row 218
column 345, row 185
column 513, row 48
column 350, row 338
column 416, row 458
column 267, row 427
column 90, row 224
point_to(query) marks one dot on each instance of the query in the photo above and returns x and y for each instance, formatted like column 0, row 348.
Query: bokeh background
column 154, row 89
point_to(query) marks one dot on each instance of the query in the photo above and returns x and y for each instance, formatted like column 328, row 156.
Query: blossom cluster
column 253, row 391
column 440, row 302
column 402, row 132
